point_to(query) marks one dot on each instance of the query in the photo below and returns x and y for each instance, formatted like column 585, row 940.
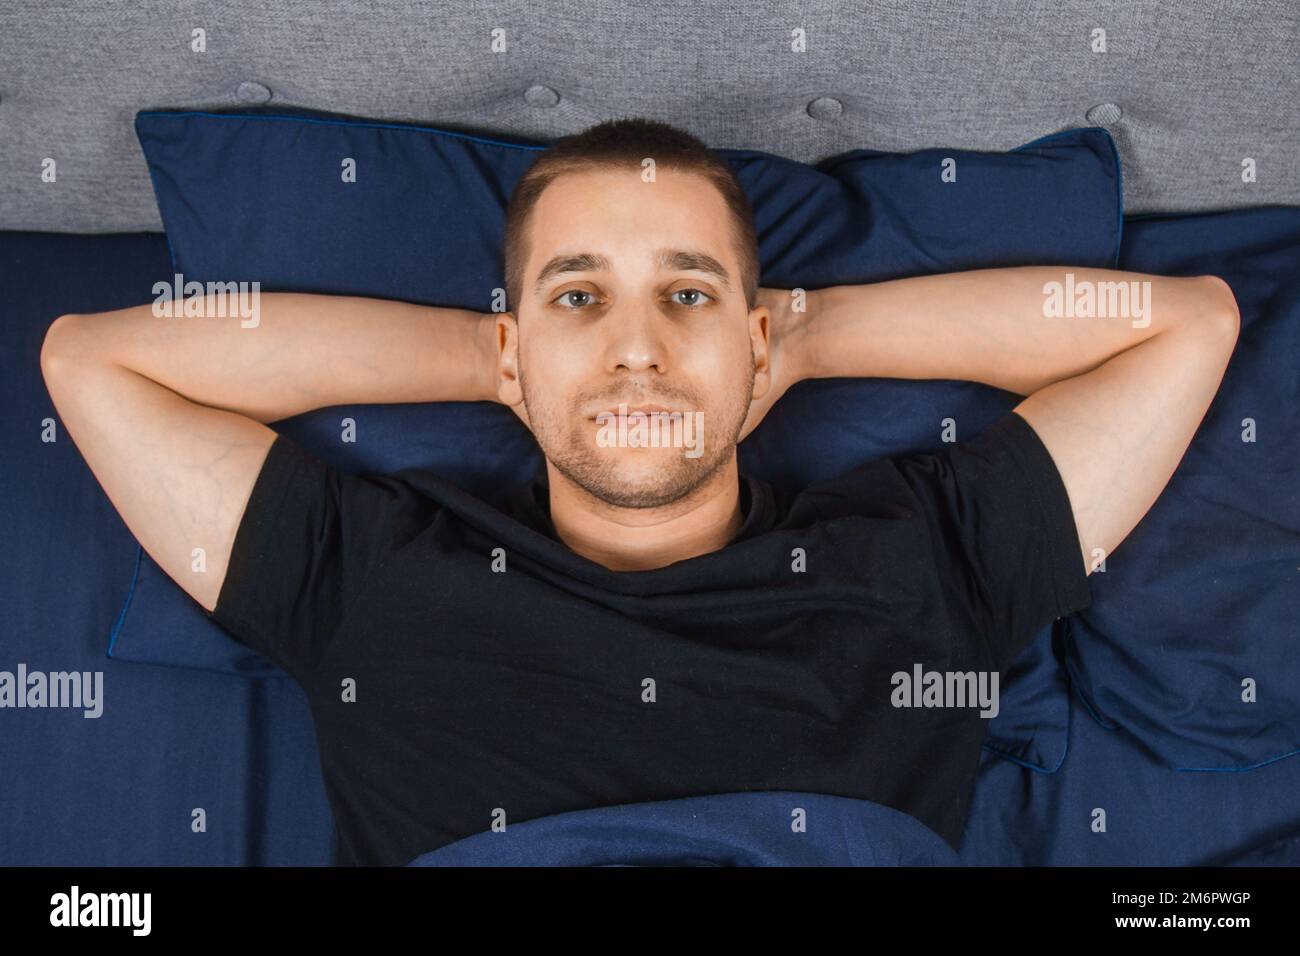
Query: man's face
column 623, row 303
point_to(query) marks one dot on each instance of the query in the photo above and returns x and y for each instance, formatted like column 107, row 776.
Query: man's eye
column 693, row 292
column 562, row 295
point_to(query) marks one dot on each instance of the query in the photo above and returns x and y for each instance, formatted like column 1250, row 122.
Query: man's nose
column 637, row 340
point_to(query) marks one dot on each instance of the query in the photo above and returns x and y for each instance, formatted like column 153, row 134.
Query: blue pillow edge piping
column 1119, row 195
column 153, row 184
column 1254, row 766
column 364, row 124
column 130, row 594
column 1037, row 768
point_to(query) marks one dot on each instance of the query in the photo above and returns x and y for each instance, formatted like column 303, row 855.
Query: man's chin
column 652, row 481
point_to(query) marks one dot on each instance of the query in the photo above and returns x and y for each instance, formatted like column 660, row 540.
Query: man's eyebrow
column 581, row 262
column 675, row 259
column 682, row 261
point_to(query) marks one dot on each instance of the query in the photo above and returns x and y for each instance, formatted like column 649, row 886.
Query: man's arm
column 170, row 413
column 1115, row 399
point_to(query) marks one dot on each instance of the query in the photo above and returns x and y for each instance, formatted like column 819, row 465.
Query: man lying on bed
column 641, row 623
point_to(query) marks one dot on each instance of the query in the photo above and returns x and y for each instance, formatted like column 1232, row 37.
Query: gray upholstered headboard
column 1189, row 90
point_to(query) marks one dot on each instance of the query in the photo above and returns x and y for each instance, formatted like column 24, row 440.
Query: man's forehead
column 577, row 208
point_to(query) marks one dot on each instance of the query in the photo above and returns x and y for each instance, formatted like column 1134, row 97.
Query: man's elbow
column 1222, row 311
column 60, row 344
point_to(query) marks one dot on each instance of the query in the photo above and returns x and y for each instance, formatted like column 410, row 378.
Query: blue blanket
column 771, row 828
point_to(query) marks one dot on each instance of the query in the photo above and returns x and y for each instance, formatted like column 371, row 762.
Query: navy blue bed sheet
column 174, row 745
column 182, row 767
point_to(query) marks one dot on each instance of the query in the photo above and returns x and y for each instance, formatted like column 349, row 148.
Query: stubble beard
column 678, row 477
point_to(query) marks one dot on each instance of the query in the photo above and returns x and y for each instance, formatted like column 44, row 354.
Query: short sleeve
column 310, row 538
column 1000, row 515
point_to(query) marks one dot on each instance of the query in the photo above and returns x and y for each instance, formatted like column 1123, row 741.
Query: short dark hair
column 625, row 143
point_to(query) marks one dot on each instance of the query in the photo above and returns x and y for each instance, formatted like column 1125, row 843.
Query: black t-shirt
column 463, row 666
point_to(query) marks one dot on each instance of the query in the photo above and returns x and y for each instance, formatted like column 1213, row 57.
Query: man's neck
column 641, row 539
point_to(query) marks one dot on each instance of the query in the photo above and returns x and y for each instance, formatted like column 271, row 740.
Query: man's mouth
column 619, row 411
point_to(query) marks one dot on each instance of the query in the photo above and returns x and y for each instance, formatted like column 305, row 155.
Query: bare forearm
column 996, row 326
column 304, row 352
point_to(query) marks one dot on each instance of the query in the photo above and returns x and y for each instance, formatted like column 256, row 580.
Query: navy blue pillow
column 259, row 196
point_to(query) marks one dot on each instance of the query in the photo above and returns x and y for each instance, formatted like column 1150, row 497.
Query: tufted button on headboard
column 253, row 93
column 541, row 96
column 825, row 108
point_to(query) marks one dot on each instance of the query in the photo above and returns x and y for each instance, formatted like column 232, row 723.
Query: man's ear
column 760, row 326
column 509, row 390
